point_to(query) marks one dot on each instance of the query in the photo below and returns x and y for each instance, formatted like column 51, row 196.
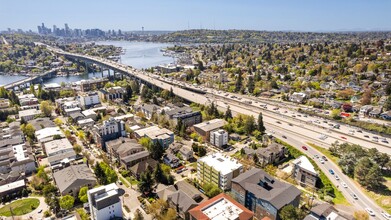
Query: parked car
column 304, row 147
column 331, row 171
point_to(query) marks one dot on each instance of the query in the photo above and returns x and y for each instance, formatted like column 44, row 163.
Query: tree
column 361, row 215
column 335, row 114
column 289, row 212
column 28, row 130
column 239, row 82
column 261, row 127
column 145, row 141
column 250, row 85
column 129, row 93
column 388, row 88
column 249, row 124
column 58, row 121
column 366, row 97
column 156, row 150
column 83, row 194
column 66, row 202
column 211, row 190
column 387, row 104
column 145, row 185
column 158, row 174
column 347, row 163
column 171, row 93
column 46, row 108
column 368, row 173
column 99, row 173
column 228, row 114
column 138, row 215
column 32, row 90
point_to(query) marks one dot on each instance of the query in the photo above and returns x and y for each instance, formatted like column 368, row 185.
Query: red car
column 304, row 147
column 343, row 137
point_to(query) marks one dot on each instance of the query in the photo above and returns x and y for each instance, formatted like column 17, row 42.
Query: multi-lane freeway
column 297, row 128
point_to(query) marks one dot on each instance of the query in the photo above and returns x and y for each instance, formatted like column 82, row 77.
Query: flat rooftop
column 222, row 209
column 221, row 163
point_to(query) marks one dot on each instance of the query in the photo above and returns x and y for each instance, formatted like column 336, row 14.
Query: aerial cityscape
column 221, row 110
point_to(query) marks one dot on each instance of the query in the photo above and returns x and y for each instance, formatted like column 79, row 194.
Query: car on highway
column 343, row 137
column 367, row 136
column 331, row 171
column 370, row 211
column 354, row 196
column 324, row 158
column 321, row 161
column 278, row 122
column 386, row 215
column 344, row 185
column 304, row 147
column 283, row 136
column 384, row 141
column 336, row 177
column 290, row 124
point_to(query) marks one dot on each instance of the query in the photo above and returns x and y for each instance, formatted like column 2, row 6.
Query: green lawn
column 125, row 182
column 20, row 207
column 326, row 152
column 132, row 180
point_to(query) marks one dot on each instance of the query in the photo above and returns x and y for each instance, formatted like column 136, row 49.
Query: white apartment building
column 105, row 202
column 89, row 99
column 218, row 169
column 219, row 138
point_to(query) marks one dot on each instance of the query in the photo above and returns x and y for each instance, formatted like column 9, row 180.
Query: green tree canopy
column 66, row 202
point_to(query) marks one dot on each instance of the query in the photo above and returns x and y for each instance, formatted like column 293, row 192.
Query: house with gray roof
column 122, row 147
column 137, row 169
column 130, row 160
column 41, row 123
column 326, row 211
column 186, row 152
column 69, row 180
column 263, row 194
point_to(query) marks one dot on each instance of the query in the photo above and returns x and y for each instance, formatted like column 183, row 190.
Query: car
column 40, row 211
column 385, row 141
column 331, row 171
column 359, row 131
column 278, row 122
column 304, row 147
column 321, row 161
column 316, row 156
column 336, row 177
column 386, row 215
column 354, row 196
column 119, row 182
column 344, row 185
column 374, row 137
column 367, row 136
column 290, row 124
column 343, row 137
column 324, row 158
column 283, row 136
column 370, row 211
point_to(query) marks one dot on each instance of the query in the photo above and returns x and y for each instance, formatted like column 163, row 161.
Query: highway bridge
column 32, row 79
column 297, row 132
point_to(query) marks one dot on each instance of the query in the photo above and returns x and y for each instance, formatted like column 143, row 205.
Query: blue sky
column 297, row 15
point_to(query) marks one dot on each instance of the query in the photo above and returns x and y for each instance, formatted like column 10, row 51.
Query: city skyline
column 282, row 15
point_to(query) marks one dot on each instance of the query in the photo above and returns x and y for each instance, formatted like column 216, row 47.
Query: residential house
column 122, row 147
column 16, row 158
column 182, row 197
column 271, row 154
column 105, row 202
column 41, row 123
column 366, row 109
column 48, row 134
column 112, row 93
column 89, row 113
column 59, row 161
column 148, row 110
column 13, row 188
column 304, row 172
column 110, row 129
column 298, row 97
column 220, row 207
column 29, row 114
column 140, row 167
column 375, row 113
column 86, row 123
column 58, row 146
column 186, row 152
column 205, row 128
column 218, row 169
column 326, row 211
column 171, row 160
column 71, row 179
column 163, row 136
column 263, row 194
column 4, row 103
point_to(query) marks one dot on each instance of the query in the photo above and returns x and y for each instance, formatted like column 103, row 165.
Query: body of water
column 141, row 54
column 137, row 54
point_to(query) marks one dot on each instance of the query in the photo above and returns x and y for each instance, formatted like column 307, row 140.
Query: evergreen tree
column 228, row 114
column 239, row 82
column 158, row 174
column 172, row 93
column 145, row 185
column 261, row 126
column 100, row 174
column 156, row 150
column 250, row 85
